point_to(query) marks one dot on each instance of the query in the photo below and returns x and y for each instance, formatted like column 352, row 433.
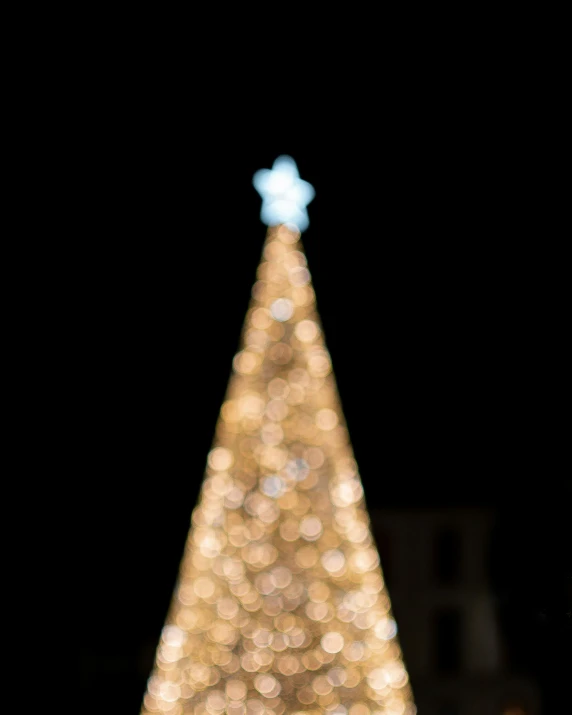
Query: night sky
column 439, row 285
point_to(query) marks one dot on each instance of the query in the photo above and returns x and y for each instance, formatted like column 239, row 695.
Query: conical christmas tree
column 280, row 607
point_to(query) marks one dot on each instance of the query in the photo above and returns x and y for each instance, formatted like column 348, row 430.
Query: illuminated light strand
column 281, row 607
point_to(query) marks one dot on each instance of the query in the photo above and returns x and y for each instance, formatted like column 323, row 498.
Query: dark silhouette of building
column 436, row 565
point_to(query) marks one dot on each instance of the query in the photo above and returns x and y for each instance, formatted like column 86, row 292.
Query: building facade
column 435, row 563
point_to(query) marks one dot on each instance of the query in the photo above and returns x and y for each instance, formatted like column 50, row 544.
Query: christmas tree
column 280, row 607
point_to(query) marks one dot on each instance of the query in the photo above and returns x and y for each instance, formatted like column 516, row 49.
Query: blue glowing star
column 284, row 194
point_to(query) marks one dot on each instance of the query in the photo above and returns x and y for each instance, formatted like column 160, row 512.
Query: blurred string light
column 281, row 606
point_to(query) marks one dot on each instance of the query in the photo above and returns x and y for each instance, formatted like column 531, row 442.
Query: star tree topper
column 284, row 194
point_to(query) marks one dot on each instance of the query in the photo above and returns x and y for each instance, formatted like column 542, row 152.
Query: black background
column 437, row 260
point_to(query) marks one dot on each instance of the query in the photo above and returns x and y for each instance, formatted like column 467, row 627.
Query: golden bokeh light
column 281, row 606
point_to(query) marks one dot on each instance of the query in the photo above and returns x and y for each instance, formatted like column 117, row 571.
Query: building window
column 447, row 556
column 448, row 641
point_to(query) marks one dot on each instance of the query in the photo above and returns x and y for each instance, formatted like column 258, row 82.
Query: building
column 435, row 564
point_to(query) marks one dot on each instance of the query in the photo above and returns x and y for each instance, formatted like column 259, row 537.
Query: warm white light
column 282, row 309
column 284, row 194
column 281, row 608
